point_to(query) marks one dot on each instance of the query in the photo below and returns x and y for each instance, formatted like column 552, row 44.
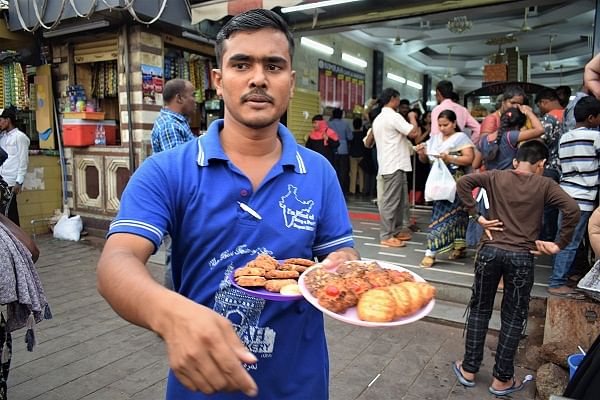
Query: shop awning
column 13, row 40
column 218, row 9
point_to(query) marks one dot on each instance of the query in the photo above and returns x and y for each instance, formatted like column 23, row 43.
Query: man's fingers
column 489, row 234
column 535, row 252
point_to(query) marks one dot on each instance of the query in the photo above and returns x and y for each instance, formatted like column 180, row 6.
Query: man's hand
column 420, row 149
column 204, row 351
column 17, row 188
column 543, row 247
column 490, row 225
column 338, row 257
column 591, row 76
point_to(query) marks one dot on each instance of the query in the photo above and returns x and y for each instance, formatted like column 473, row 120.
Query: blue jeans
column 564, row 259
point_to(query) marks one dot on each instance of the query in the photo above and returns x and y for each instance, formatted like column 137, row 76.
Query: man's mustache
column 257, row 95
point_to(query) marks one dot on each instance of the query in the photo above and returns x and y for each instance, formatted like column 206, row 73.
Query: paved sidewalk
column 88, row 352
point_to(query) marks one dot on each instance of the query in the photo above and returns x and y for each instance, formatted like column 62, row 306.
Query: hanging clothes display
column 192, row 67
column 13, row 90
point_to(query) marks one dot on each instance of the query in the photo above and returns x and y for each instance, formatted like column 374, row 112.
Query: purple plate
column 263, row 293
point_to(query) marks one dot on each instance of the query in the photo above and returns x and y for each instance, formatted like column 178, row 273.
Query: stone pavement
column 88, row 352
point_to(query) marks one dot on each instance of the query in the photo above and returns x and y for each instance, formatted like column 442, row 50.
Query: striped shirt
column 579, row 151
column 170, row 130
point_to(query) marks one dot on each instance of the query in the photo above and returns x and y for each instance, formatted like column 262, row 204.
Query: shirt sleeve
column 401, row 125
column 435, row 113
column 475, row 127
column 558, row 198
column 513, row 138
column 334, row 230
column 465, row 186
column 145, row 208
column 489, row 124
column 23, row 155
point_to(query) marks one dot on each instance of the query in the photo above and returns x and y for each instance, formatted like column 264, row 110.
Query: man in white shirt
column 16, row 145
column 391, row 132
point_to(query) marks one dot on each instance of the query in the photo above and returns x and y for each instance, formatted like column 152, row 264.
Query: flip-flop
column 463, row 381
column 393, row 242
column 505, row 392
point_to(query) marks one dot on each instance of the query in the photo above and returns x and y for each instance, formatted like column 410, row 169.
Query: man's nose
column 259, row 78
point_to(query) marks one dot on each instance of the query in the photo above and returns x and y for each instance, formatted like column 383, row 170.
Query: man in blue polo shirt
column 243, row 189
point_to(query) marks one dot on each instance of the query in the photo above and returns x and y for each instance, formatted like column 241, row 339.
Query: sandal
column 393, row 242
column 457, row 253
column 461, row 378
column 504, row 392
column 427, row 262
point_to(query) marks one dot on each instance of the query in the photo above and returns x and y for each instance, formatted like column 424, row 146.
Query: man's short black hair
column 445, row 88
column 337, row 113
column 387, row 95
column 317, row 117
column 357, row 123
column 585, row 107
column 252, row 20
column 532, row 151
column 10, row 113
column 173, row 88
column 405, row 102
column 564, row 94
column 546, row 94
column 512, row 91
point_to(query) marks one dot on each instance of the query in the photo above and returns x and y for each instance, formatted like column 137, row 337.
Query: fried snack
column 299, row 261
column 399, row 276
column 290, row 290
column 278, row 274
column 249, row 271
column 275, row 285
column 316, row 279
column 376, row 305
column 249, row 281
column 378, row 278
column 410, row 296
column 358, row 286
column 293, row 267
column 266, row 262
column 335, row 297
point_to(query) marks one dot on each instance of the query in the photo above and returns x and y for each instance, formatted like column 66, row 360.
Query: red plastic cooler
column 81, row 132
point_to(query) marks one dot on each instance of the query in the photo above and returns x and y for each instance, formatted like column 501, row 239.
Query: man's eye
column 240, row 66
column 273, row 67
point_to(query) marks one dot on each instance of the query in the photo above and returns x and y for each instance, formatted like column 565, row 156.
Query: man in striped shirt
column 579, row 153
column 171, row 128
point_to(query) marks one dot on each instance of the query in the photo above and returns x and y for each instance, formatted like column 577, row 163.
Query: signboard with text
column 340, row 87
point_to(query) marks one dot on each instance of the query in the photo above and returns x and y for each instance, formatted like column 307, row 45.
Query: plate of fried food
column 368, row 293
column 270, row 279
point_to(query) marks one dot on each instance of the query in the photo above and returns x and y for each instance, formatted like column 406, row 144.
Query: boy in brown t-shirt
column 507, row 249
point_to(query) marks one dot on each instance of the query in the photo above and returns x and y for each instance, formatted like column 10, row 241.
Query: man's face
column 543, row 106
column 512, row 102
column 256, row 79
column 3, row 124
column 404, row 109
column 188, row 102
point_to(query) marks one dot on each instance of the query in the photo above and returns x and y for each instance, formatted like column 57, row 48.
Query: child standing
column 506, row 250
column 578, row 153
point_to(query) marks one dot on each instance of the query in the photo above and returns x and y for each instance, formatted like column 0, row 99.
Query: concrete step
column 454, row 314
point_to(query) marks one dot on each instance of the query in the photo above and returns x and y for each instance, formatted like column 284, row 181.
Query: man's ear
column 515, row 163
column 217, row 80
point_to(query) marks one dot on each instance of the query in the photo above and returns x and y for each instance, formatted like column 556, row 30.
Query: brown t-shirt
column 517, row 199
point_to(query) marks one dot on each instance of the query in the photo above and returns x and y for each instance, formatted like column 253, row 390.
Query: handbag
column 440, row 183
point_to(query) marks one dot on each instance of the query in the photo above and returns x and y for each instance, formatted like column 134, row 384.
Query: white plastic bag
column 440, row 184
column 68, row 228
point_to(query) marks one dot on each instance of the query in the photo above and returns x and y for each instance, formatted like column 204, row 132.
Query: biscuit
column 266, row 262
column 299, row 261
column 247, row 281
column 278, row 274
column 275, row 285
column 293, row 267
column 290, row 290
column 249, row 271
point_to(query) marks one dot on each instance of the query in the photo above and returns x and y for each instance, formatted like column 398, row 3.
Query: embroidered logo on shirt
column 296, row 212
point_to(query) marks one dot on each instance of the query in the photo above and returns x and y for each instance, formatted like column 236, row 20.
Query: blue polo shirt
column 193, row 193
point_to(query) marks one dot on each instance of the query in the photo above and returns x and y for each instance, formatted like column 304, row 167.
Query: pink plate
column 351, row 317
column 263, row 293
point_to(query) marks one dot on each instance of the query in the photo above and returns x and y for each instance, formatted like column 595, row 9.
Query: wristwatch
column 475, row 217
